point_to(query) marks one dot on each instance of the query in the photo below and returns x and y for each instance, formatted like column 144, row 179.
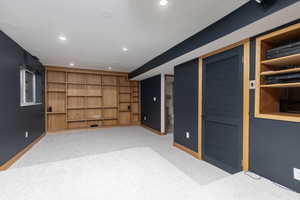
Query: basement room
column 150, row 99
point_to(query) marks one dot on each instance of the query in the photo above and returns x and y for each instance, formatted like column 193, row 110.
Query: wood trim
column 246, row 97
column 84, row 71
column 152, row 130
column 187, row 150
column 85, row 129
column 257, row 77
column 16, row 157
column 225, row 48
column 280, row 32
column 200, row 96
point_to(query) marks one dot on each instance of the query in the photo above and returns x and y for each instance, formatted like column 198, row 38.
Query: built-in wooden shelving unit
column 89, row 98
column 268, row 96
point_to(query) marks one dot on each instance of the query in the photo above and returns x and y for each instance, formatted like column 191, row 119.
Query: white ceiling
column 272, row 21
column 97, row 30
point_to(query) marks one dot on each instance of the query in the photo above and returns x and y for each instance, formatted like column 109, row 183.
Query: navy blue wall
column 186, row 104
column 16, row 120
column 274, row 145
column 151, row 110
column 243, row 16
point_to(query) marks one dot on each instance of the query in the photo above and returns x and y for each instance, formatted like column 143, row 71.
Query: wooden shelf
column 87, row 98
column 56, row 82
column 95, row 84
column 52, row 91
column 125, row 102
column 282, row 61
column 281, row 85
column 72, row 83
column 56, row 113
column 286, row 71
column 136, row 113
column 78, row 108
column 268, row 96
column 291, row 117
column 84, row 96
column 109, row 85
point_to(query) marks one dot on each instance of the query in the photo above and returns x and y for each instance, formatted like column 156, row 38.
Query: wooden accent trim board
column 225, row 48
column 187, row 150
column 152, row 130
column 85, row 71
column 246, row 104
column 16, row 157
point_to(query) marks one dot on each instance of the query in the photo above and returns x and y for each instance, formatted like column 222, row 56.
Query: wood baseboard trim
column 16, row 157
column 66, row 131
column 153, row 130
column 187, row 150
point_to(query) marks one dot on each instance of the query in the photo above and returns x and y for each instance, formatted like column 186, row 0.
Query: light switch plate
column 252, row 85
column 297, row 174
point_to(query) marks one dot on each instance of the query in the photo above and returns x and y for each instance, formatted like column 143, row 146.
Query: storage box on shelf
column 87, row 99
column 270, row 91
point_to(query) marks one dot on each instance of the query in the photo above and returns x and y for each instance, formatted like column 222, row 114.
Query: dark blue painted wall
column 243, row 16
column 16, row 120
column 151, row 110
column 186, row 104
column 274, row 145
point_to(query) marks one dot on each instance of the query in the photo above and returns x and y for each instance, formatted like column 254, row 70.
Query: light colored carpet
column 77, row 144
column 242, row 187
column 135, row 174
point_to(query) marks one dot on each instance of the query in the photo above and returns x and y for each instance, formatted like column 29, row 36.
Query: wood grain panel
column 76, row 102
column 56, row 122
column 93, row 90
column 56, row 101
column 77, row 90
column 53, row 76
column 76, row 78
column 124, row 118
column 110, row 96
column 109, row 80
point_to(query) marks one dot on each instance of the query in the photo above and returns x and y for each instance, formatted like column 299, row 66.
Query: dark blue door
column 223, row 109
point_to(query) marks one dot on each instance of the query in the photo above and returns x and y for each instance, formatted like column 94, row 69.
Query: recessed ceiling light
column 72, row 64
column 109, row 68
column 62, row 38
column 163, row 2
column 125, row 49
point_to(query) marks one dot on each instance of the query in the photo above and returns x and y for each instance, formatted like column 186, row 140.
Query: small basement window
column 28, row 88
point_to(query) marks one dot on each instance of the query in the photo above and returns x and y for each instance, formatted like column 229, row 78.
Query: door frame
column 246, row 96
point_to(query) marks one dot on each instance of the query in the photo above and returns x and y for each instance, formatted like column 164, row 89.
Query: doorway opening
column 169, row 109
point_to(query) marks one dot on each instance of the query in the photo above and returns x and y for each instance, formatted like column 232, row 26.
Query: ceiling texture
column 98, row 30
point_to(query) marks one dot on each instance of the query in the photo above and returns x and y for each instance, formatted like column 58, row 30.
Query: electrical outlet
column 297, row 174
column 26, row 134
column 187, row 135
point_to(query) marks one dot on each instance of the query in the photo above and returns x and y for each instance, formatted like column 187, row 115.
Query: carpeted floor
column 77, row 144
column 124, row 163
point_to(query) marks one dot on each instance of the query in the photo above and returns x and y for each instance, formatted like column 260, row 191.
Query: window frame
column 23, row 94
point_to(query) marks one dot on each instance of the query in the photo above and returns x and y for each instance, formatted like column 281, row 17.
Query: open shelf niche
column 78, row 99
column 268, row 97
